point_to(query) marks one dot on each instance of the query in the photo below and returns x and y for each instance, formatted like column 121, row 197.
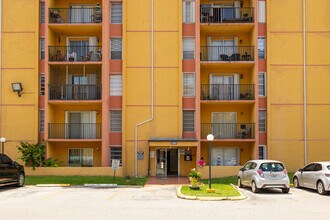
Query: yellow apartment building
column 146, row 81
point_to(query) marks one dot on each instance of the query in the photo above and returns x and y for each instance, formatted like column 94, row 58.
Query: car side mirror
column 300, row 170
column 242, row 169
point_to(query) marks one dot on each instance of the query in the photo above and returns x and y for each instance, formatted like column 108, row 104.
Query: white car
column 264, row 174
column 314, row 176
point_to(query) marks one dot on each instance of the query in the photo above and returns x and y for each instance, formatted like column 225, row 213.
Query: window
column 115, row 154
column 81, row 157
column 42, row 12
column 262, row 84
column 225, row 156
column 188, row 84
column 262, row 120
column 115, row 120
column 188, row 11
column 42, row 84
column 115, row 85
column 4, row 159
column 261, row 11
column 42, row 48
column 116, row 13
column 262, row 152
column 188, row 121
column 261, row 48
column 309, row 167
column 116, row 48
column 253, row 166
column 275, row 167
column 41, row 120
column 188, row 48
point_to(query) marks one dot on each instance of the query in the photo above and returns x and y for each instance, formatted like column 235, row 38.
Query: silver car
column 264, row 174
column 314, row 176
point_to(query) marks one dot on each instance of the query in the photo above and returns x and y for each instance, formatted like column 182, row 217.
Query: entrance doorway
column 167, row 162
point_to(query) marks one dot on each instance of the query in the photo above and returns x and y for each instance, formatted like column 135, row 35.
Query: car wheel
column 255, row 189
column 285, row 190
column 239, row 183
column 296, row 182
column 320, row 188
column 20, row 179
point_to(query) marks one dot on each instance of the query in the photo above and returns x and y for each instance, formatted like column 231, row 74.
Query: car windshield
column 272, row 167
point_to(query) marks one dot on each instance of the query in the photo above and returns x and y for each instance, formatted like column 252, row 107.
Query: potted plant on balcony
column 194, row 178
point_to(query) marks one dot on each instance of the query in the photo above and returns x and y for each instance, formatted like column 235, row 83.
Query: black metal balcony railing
column 228, row 130
column 74, row 131
column 213, row 14
column 227, row 53
column 75, row 92
column 75, row 15
column 227, row 92
column 75, row 53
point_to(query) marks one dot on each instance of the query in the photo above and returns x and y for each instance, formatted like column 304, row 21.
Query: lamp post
column 210, row 138
column 3, row 140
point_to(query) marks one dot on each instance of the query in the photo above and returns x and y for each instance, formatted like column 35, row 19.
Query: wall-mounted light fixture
column 241, row 41
column 17, row 87
column 241, row 76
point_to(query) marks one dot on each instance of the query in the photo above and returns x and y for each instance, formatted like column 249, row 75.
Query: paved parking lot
column 155, row 202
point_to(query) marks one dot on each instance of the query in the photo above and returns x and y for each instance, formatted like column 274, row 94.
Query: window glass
column 188, row 84
column 5, row 159
column 262, row 152
column 188, row 48
column 41, row 120
column 247, row 166
column 261, row 48
column 115, row 154
column 115, row 120
column 261, row 84
column 115, row 85
column 116, row 13
column 318, row 167
column 328, row 167
column 225, row 156
column 262, row 120
column 272, row 167
column 188, row 121
column 309, row 167
column 116, row 48
column 81, row 157
column 261, row 11
column 253, row 166
column 42, row 84
column 42, row 12
column 42, row 48
column 188, row 9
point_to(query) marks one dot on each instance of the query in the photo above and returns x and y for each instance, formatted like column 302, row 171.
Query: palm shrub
column 32, row 154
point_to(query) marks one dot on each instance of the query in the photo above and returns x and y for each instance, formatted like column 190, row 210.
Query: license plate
column 273, row 175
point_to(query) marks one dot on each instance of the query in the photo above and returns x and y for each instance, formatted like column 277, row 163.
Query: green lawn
column 81, row 180
column 221, row 190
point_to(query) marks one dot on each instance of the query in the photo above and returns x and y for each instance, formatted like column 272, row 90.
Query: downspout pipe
column 1, row 84
column 305, row 89
column 152, row 93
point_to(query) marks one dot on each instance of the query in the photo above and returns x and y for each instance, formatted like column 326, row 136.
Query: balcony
column 227, row 53
column 74, row 131
column 75, row 53
column 75, row 92
column 228, row 130
column 227, row 92
column 216, row 14
column 75, row 15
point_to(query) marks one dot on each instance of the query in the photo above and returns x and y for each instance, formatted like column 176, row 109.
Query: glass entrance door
column 161, row 162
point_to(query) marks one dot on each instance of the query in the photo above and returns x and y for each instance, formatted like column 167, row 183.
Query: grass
column 221, row 185
column 81, row 180
column 221, row 190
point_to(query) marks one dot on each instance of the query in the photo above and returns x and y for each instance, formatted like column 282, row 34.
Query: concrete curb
column 101, row 185
column 53, row 185
column 234, row 198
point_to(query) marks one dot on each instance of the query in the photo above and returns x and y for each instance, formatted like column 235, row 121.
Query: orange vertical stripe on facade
column 189, row 66
column 116, row 30
column 115, row 66
column 115, row 102
column 188, row 30
column 115, row 139
column 188, row 103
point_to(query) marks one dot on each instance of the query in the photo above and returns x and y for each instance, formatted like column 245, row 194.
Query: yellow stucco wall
column 19, row 60
column 167, row 120
column 285, row 114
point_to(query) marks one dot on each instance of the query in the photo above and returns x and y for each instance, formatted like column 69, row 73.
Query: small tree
column 32, row 154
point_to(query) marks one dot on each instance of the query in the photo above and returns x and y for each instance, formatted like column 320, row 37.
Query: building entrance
column 167, row 162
